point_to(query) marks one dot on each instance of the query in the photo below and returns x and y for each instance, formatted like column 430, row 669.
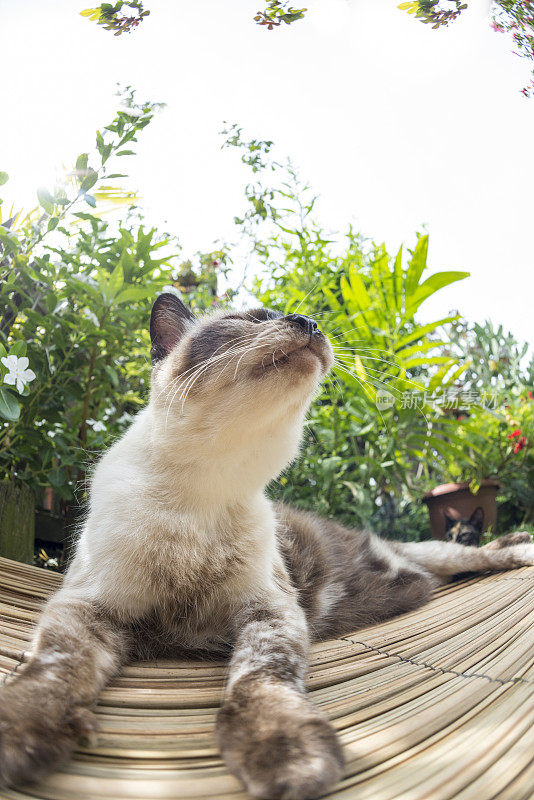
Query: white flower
column 96, row 425
column 92, row 316
column 18, row 373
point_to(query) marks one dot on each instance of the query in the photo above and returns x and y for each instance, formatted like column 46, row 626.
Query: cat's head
column 464, row 530
column 233, row 363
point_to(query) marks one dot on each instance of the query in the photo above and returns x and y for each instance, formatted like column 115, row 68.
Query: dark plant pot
column 48, row 526
column 56, row 523
column 17, row 522
column 459, row 497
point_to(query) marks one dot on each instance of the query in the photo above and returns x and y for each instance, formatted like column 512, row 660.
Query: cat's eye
column 256, row 315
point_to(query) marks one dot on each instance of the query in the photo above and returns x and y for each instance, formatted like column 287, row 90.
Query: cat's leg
column 509, row 540
column 445, row 559
column 44, row 709
column 269, row 733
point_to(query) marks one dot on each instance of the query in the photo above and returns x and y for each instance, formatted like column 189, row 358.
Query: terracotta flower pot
column 459, row 497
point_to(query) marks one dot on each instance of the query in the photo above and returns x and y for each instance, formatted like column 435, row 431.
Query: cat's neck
column 204, row 464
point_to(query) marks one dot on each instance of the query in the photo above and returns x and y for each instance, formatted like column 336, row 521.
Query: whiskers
column 370, row 379
column 236, row 348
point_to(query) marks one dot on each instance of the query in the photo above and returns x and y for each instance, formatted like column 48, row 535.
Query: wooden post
column 17, row 522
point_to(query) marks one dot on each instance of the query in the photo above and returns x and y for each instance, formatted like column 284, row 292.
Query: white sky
column 395, row 125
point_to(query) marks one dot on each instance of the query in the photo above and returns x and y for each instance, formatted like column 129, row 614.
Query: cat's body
column 182, row 551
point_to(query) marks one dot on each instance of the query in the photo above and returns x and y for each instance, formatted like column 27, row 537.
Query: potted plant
column 458, row 501
column 494, row 457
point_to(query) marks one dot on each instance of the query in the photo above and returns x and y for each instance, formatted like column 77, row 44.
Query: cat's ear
column 477, row 518
column 168, row 322
column 451, row 517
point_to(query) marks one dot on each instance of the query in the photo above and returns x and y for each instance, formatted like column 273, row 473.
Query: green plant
column 369, row 446
column 110, row 17
column 434, row 12
column 278, row 11
column 514, row 17
column 27, row 277
column 409, row 405
column 76, row 301
column 493, row 412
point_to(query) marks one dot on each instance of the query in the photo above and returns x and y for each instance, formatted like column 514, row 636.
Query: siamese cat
column 182, row 551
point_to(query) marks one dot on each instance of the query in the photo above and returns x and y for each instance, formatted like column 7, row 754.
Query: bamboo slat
column 434, row 705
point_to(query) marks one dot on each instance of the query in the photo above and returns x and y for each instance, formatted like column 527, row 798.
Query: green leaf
column 9, row 405
column 88, row 287
column 359, row 292
column 416, row 267
column 421, row 332
column 116, row 280
column 45, row 200
column 134, row 293
column 51, row 302
column 18, row 349
column 110, row 285
column 89, row 180
column 57, row 477
column 427, row 360
column 419, row 348
column 3, row 353
column 397, row 280
column 84, row 215
column 334, row 303
column 9, row 243
column 4, row 177
column 81, row 162
column 432, row 285
column 113, row 375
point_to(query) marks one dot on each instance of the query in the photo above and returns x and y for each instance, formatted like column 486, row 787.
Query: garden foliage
column 409, row 403
column 75, row 297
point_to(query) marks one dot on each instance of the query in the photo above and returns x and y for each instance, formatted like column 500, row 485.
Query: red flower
column 515, row 433
column 521, row 443
column 531, row 395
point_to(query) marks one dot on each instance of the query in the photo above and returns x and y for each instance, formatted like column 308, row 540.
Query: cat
column 464, row 530
column 468, row 531
column 182, row 552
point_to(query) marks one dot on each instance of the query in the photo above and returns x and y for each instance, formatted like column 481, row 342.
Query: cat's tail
column 445, row 559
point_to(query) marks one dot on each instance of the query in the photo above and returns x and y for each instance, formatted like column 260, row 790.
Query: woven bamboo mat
column 433, row 705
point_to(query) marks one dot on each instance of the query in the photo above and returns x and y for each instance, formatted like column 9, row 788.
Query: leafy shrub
column 74, row 345
column 76, row 300
column 368, row 446
column 495, row 438
column 508, row 16
column 389, row 426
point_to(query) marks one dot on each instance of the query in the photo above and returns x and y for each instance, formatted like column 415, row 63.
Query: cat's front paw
column 35, row 735
column 521, row 555
column 286, row 757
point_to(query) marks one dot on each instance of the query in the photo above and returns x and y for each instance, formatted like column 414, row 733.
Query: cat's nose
column 307, row 324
